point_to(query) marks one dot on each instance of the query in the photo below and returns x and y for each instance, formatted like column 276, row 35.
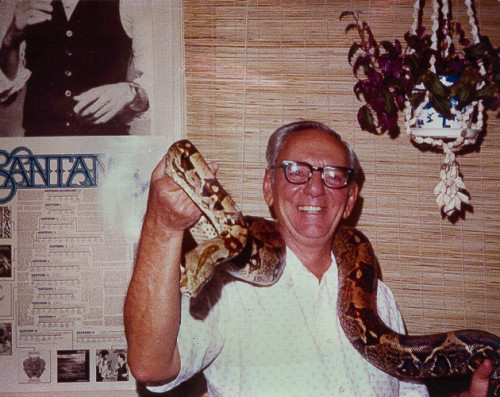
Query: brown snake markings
column 251, row 249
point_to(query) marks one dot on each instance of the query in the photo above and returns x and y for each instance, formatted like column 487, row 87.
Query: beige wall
column 254, row 65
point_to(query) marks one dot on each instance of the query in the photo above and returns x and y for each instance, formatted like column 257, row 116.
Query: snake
column 251, row 249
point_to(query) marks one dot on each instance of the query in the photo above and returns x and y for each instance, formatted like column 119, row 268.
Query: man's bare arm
column 152, row 309
column 152, row 306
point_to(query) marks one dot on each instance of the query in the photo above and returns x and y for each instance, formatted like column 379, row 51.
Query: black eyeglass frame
column 286, row 163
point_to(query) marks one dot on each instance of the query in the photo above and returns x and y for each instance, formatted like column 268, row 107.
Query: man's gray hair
column 281, row 136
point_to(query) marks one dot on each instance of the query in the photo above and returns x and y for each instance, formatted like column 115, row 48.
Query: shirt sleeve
column 198, row 341
column 9, row 87
column 136, row 18
column 390, row 314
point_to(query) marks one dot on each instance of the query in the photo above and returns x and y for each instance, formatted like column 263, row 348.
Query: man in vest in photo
column 74, row 57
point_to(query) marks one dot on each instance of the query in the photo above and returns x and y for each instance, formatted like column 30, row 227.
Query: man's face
column 308, row 214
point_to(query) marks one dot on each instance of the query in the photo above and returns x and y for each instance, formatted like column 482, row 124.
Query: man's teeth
column 310, row 208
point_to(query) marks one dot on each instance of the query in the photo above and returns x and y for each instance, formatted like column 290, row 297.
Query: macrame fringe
column 450, row 191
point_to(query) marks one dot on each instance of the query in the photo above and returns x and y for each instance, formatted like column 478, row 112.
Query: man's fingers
column 40, row 4
column 38, row 17
column 105, row 114
column 483, row 371
column 84, row 100
column 32, row 12
column 35, row 5
column 214, row 167
column 480, row 380
column 31, row 18
column 159, row 170
column 159, row 174
column 100, row 104
column 95, row 109
column 100, row 111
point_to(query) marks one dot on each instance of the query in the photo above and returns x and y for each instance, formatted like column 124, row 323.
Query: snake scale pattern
column 251, row 249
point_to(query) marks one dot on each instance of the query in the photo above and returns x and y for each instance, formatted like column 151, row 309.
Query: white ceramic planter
column 430, row 123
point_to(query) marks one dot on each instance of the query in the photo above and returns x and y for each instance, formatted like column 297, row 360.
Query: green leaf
column 455, row 89
column 414, row 66
column 466, row 95
column 416, row 98
column 486, row 92
column 433, row 85
column 441, row 105
column 475, row 51
column 390, row 106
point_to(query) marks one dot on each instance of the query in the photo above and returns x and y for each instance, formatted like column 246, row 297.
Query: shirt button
column 67, row 93
column 69, row 33
column 341, row 389
column 330, row 340
column 67, row 123
column 69, row 53
column 68, row 73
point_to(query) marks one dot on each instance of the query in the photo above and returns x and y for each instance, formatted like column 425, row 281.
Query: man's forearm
column 9, row 52
column 152, row 307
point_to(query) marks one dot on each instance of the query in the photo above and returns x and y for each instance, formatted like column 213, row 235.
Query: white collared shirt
column 284, row 340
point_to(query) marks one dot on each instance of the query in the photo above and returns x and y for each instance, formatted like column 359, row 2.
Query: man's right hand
column 31, row 12
column 169, row 207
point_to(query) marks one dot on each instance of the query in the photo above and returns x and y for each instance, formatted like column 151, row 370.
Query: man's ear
column 351, row 200
column 267, row 188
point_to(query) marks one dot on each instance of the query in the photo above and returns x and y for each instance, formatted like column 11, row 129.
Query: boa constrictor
column 252, row 250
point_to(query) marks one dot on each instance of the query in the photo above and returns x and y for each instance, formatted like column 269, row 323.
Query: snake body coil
column 252, row 250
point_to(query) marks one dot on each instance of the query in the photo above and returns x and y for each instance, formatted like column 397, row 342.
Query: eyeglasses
column 299, row 173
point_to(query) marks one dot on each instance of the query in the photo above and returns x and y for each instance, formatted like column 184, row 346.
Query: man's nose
column 315, row 185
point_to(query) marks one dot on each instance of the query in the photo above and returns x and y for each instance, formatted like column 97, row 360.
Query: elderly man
column 75, row 57
column 260, row 341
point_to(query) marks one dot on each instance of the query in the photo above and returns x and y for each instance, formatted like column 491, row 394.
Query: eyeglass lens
column 333, row 177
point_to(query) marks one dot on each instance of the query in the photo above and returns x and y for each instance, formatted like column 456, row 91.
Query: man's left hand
column 100, row 104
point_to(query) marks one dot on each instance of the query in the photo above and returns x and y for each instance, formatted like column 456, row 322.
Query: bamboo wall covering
column 252, row 66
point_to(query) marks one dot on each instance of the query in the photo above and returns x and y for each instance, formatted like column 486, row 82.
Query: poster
column 71, row 212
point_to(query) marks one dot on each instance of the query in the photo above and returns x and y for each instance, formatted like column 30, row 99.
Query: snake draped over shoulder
column 251, row 249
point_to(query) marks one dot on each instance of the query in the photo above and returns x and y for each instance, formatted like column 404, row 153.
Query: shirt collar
column 69, row 7
column 296, row 273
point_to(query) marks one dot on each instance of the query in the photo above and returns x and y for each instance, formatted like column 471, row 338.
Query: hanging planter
column 430, row 123
column 461, row 117
column 442, row 90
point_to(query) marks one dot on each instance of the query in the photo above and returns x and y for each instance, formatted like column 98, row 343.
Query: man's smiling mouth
column 310, row 209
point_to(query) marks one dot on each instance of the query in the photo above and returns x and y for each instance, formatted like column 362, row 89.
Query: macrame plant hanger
column 450, row 191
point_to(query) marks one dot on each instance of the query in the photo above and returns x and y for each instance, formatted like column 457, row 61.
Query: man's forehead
column 321, row 143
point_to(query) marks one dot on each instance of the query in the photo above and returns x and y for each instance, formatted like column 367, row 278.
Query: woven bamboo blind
column 252, row 66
